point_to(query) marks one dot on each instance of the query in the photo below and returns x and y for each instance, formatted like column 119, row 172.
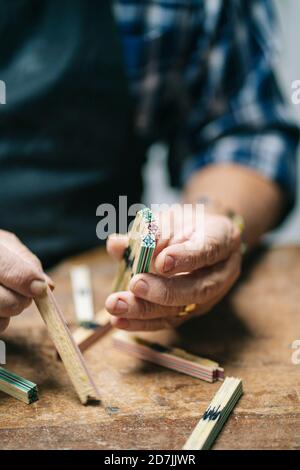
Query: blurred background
column 288, row 68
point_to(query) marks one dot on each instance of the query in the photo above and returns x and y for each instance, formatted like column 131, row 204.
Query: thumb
column 20, row 275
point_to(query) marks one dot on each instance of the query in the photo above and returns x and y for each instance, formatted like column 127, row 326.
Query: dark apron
column 67, row 142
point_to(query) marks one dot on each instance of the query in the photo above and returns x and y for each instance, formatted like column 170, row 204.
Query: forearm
column 259, row 201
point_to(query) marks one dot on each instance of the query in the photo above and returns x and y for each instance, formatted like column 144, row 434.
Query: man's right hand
column 21, row 277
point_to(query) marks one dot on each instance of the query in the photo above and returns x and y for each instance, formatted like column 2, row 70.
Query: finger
column 11, row 241
column 146, row 325
column 20, row 275
column 199, row 250
column 116, row 245
column 12, row 303
column 171, row 229
column 15, row 245
column 127, row 305
column 130, row 324
column 4, row 322
column 198, row 287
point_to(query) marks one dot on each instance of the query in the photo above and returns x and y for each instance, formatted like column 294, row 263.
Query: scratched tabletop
column 250, row 333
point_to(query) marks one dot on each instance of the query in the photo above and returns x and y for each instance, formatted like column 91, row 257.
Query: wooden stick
column 215, row 415
column 67, row 349
column 137, row 258
column 88, row 334
column 18, row 387
column 172, row 358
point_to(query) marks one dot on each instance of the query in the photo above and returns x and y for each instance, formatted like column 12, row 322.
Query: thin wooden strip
column 215, row 415
column 84, row 337
column 18, row 387
column 67, row 349
column 82, row 293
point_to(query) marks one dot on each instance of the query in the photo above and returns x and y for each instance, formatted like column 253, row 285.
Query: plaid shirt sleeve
column 240, row 115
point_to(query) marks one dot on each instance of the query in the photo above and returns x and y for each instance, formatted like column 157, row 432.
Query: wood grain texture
column 147, row 407
column 66, row 347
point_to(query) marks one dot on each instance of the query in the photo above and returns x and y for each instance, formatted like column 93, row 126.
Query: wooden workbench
column 146, row 407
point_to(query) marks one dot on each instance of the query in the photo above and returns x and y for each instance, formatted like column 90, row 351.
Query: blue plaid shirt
column 201, row 72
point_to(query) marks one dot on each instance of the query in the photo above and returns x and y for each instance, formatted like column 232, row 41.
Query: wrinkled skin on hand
column 21, row 277
column 194, row 265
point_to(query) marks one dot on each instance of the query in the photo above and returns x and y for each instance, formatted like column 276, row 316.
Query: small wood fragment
column 215, row 416
column 67, row 349
column 18, row 387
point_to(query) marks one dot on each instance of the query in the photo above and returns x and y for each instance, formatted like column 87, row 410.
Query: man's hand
column 21, row 277
column 194, row 267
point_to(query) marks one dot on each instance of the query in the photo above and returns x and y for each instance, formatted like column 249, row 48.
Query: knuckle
column 11, row 305
column 11, row 308
column 144, row 308
column 208, row 290
column 16, row 308
column 167, row 294
column 7, row 311
column 212, row 252
column 192, row 260
column 18, row 275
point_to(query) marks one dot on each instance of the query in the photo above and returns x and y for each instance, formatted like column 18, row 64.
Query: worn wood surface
column 146, row 407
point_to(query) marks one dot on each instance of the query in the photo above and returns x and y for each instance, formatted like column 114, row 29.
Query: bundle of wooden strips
column 139, row 253
column 137, row 259
column 172, row 358
column 215, row 416
column 18, row 387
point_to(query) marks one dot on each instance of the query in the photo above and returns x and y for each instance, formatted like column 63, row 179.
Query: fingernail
column 169, row 263
column 38, row 288
column 140, row 287
column 120, row 306
column 116, row 305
